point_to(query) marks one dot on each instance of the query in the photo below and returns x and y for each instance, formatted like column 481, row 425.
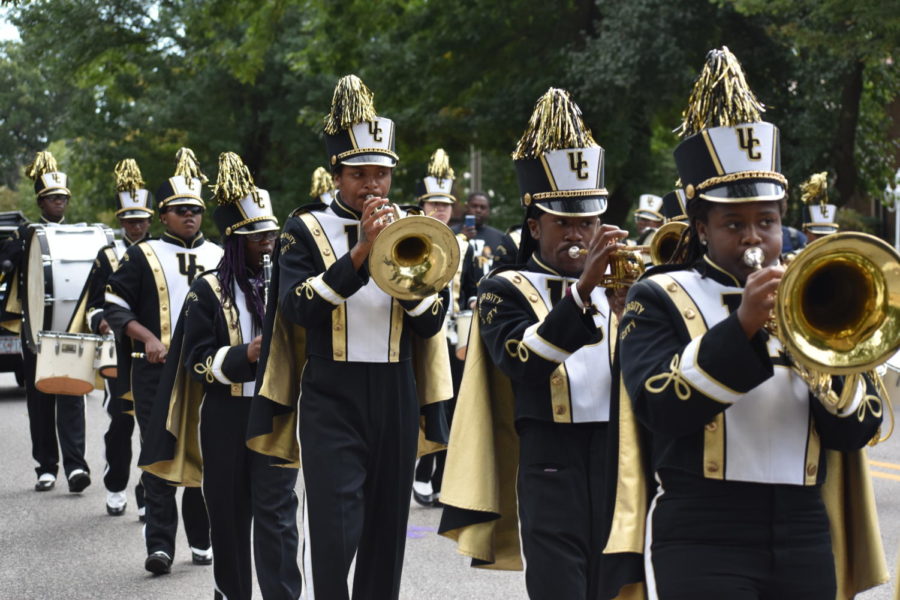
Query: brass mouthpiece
column 754, row 257
column 575, row 252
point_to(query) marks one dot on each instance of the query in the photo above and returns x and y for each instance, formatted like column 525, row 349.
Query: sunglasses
column 258, row 237
column 182, row 211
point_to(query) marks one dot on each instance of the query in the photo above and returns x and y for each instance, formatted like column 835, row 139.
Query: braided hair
column 233, row 270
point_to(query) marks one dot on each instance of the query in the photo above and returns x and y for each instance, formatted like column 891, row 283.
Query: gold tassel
column 439, row 166
column 352, row 103
column 43, row 163
column 322, row 183
column 188, row 166
column 721, row 96
column 555, row 124
column 815, row 189
column 234, row 180
column 128, row 176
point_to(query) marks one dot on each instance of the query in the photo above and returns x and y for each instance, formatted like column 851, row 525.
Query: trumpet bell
column 839, row 304
column 664, row 242
column 414, row 257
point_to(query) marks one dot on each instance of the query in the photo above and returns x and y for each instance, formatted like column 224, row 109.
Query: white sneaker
column 142, row 513
column 115, row 503
column 45, row 482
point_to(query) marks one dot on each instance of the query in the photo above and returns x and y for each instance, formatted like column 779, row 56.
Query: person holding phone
column 492, row 247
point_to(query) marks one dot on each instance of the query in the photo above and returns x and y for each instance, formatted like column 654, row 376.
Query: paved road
column 59, row 545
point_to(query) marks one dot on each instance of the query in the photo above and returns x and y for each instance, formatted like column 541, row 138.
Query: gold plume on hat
column 439, row 166
column 128, row 176
column 43, row 163
column 721, row 96
column 322, row 183
column 188, row 166
column 555, row 123
column 815, row 189
column 234, row 180
column 351, row 103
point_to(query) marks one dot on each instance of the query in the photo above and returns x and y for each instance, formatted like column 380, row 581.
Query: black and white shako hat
column 558, row 163
column 133, row 201
column 48, row 179
column 186, row 185
column 321, row 187
column 673, row 206
column 649, row 207
column 242, row 207
column 437, row 186
column 354, row 134
column 728, row 153
column 818, row 215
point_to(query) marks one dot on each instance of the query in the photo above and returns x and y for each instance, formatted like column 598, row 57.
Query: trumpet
column 626, row 265
column 391, row 216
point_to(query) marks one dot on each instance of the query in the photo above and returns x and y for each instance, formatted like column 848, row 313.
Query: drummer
column 134, row 208
column 49, row 415
column 435, row 197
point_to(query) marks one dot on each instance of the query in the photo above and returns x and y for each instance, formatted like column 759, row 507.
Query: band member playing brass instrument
column 208, row 384
column 335, row 340
column 537, row 382
column 744, row 460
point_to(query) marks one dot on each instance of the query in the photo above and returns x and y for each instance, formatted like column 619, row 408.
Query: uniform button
column 337, row 327
column 517, row 279
column 393, row 353
column 812, row 469
column 162, row 289
column 533, row 297
column 326, row 252
column 689, row 314
column 339, row 353
column 672, row 287
column 561, row 410
column 155, row 270
column 164, row 308
column 712, row 467
column 317, row 231
column 555, row 380
column 712, row 426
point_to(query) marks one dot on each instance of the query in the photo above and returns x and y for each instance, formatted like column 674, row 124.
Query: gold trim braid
column 162, row 292
column 339, row 314
column 740, row 176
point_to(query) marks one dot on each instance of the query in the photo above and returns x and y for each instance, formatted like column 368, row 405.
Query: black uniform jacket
column 320, row 305
column 533, row 353
column 207, row 362
column 150, row 286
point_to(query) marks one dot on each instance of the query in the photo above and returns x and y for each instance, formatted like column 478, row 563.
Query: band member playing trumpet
column 737, row 440
column 208, row 383
column 49, row 415
column 547, row 326
column 435, row 196
column 143, row 300
column 346, row 348
column 134, row 209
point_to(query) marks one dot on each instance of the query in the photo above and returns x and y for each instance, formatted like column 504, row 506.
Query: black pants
column 161, row 518
column 241, row 487
column 741, row 541
column 431, row 466
column 49, row 415
column 117, row 446
column 560, row 489
column 358, row 434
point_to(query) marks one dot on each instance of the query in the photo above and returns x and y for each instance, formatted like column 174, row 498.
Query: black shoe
column 45, row 482
column 158, row 563
column 203, row 557
column 423, row 499
column 78, row 480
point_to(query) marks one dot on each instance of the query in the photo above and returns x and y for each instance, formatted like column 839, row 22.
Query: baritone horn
column 414, row 256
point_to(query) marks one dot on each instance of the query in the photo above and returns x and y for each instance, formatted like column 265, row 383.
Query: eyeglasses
column 182, row 211
column 265, row 235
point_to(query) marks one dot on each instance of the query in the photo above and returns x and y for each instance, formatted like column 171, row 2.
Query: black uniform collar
column 707, row 268
column 194, row 242
column 129, row 243
column 539, row 266
column 47, row 221
column 342, row 209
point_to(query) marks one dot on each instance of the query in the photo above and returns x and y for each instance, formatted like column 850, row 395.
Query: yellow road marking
column 893, row 476
column 885, row 465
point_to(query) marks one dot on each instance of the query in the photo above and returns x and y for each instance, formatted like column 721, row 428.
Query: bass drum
column 58, row 259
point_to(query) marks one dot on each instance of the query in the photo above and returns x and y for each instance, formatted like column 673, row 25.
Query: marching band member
column 348, row 347
column 492, row 246
column 818, row 215
column 648, row 217
column 736, row 440
column 143, row 298
column 435, row 197
column 208, row 383
column 48, row 414
column 322, row 186
column 134, row 210
column 547, row 326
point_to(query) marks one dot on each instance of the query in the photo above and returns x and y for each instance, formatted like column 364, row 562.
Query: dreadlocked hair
column 233, row 271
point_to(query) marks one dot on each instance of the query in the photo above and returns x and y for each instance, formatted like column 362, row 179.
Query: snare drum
column 65, row 363
column 463, row 325
column 58, row 259
column 105, row 363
